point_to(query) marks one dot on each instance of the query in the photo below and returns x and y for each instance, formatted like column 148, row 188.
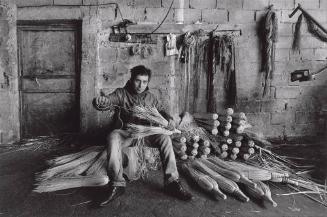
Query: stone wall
column 292, row 109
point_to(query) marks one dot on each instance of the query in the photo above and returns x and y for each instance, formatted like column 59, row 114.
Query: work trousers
column 120, row 139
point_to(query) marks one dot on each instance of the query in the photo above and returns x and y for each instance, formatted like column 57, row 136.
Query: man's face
column 140, row 83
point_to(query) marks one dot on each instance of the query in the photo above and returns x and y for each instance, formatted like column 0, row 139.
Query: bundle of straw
column 138, row 131
column 70, row 157
column 62, row 183
column 72, row 167
column 186, row 122
column 260, row 140
column 150, row 114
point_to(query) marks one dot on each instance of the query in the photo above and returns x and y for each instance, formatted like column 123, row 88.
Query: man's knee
column 165, row 140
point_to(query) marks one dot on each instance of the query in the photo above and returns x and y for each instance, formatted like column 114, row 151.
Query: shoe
column 176, row 189
column 114, row 192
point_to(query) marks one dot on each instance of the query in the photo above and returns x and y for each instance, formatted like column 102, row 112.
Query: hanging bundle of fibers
column 192, row 54
column 221, row 59
column 313, row 29
column 223, row 55
column 270, row 38
column 189, row 40
column 199, row 67
column 297, row 33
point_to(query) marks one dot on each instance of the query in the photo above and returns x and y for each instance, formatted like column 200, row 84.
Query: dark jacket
column 126, row 98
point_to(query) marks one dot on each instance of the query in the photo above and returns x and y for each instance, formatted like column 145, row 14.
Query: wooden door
column 49, row 66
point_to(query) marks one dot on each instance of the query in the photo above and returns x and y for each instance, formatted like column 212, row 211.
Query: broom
column 256, row 173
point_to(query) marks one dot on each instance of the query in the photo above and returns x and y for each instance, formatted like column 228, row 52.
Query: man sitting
column 136, row 92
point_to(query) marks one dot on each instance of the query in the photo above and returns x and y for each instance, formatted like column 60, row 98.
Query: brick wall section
column 67, row 2
column 241, row 16
column 284, row 113
column 148, row 3
column 200, row 4
column 323, row 4
column 214, row 16
column 255, row 4
column 176, row 4
column 192, row 15
column 24, row 3
column 229, row 4
column 282, row 4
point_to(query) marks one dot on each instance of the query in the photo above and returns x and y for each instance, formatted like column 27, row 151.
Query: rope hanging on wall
column 270, row 38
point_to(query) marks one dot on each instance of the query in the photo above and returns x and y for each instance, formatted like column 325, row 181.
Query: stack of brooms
column 224, row 135
column 238, row 156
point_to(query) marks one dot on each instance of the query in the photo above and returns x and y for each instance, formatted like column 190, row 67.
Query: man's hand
column 101, row 102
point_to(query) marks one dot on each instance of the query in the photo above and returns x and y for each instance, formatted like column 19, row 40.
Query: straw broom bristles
column 258, row 174
column 89, row 157
column 189, row 127
column 138, row 131
column 150, row 114
column 274, row 162
column 70, row 157
column 250, row 134
column 78, row 170
column 71, row 182
column 253, row 173
column 187, row 122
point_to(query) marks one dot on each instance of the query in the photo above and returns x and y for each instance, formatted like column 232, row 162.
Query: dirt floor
column 144, row 198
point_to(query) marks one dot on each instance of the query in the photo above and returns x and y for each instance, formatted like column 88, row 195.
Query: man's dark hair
column 140, row 70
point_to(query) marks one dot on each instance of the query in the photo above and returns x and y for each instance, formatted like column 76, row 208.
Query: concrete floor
column 144, row 198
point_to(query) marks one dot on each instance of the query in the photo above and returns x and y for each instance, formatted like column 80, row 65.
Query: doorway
column 49, row 70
